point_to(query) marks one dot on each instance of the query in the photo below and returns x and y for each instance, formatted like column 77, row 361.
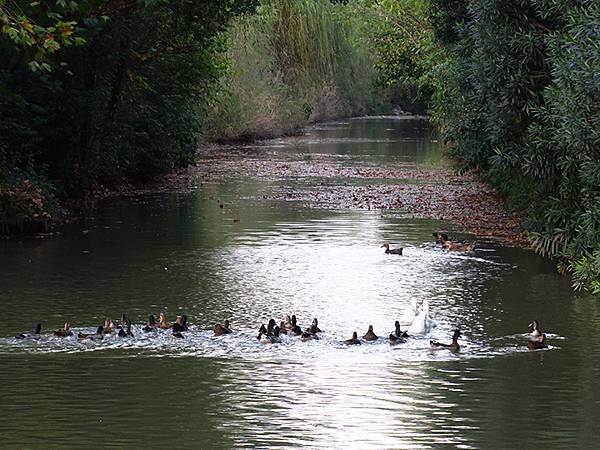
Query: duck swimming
column 410, row 313
column 537, row 344
column 162, row 322
column 440, row 238
column 282, row 328
column 262, row 331
column 353, row 340
column 222, row 329
column 271, row 326
column 123, row 321
column 288, row 323
column 454, row 246
column 392, row 251
column 422, row 323
column 370, row 335
column 64, row 332
column 314, row 327
column 180, row 324
column 398, row 336
column 309, row 335
column 125, row 330
column 35, row 335
column 109, row 327
column 177, row 334
column 535, row 329
column 272, row 339
column 97, row 336
column 452, row 347
column 295, row 330
column 150, row 325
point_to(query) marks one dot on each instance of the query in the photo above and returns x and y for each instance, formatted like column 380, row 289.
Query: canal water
column 257, row 258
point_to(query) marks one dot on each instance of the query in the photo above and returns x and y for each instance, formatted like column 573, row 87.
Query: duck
column 536, row 332
column 353, row 340
column 64, row 332
column 295, row 330
column 176, row 334
column 35, row 335
column 288, row 325
column 109, row 327
column 454, row 246
column 97, row 336
column 422, row 323
column 150, row 325
column 370, row 335
column 271, row 326
column 222, row 329
column 454, row 346
column 272, row 339
column 440, row 238
column 163, row 324
column 537, row 344
column 392, row 251
column 262, row 331
column 282, row 328
column 314, row 327
column 410, row 313
column 125, row 330
column 309, row 335
column 398, row 336
column 180, row 324
column 123, row 322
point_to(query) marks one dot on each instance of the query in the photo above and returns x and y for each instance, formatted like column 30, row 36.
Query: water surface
column 255, row 259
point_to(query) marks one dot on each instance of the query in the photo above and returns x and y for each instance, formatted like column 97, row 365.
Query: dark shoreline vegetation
column 95, row 96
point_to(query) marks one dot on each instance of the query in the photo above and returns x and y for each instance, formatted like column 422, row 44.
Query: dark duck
column 392, row 251
column 453, row 346
column 222, row 329
column 398, row 336
column 150, row 325
column 35, row 335
column 125, row 330
column 353, row 340
column 370, row 335
column 64, row 332
column 97, row 336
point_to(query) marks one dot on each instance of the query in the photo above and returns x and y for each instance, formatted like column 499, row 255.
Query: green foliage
column 401, row 34
column 39, row 30
column 119, row 96
column 292, row 62
column 525, row 113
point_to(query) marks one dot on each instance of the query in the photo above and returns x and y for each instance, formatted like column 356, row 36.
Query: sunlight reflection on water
column 184, row 254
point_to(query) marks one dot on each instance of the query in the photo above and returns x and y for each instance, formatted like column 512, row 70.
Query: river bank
column 428, row 190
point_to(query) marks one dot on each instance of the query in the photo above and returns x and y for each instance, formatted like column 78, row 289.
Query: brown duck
column 392, row 251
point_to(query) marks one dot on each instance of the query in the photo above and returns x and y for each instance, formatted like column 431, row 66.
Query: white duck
column 410, row 313
column 422, row 323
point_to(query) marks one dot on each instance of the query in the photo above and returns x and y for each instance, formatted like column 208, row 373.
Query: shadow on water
column 182, row 253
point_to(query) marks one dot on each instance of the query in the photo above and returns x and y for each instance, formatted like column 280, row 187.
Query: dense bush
column 523, row 111
column 97, row 92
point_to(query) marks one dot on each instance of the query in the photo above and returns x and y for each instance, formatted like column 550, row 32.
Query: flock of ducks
column 414, row 317
column 442, row 239
column 272, row 333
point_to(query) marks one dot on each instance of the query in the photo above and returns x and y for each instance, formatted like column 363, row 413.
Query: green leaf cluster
column 525, row 113
column 97, row 93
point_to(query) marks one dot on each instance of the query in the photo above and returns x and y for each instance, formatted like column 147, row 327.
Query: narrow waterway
column 229, row 249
